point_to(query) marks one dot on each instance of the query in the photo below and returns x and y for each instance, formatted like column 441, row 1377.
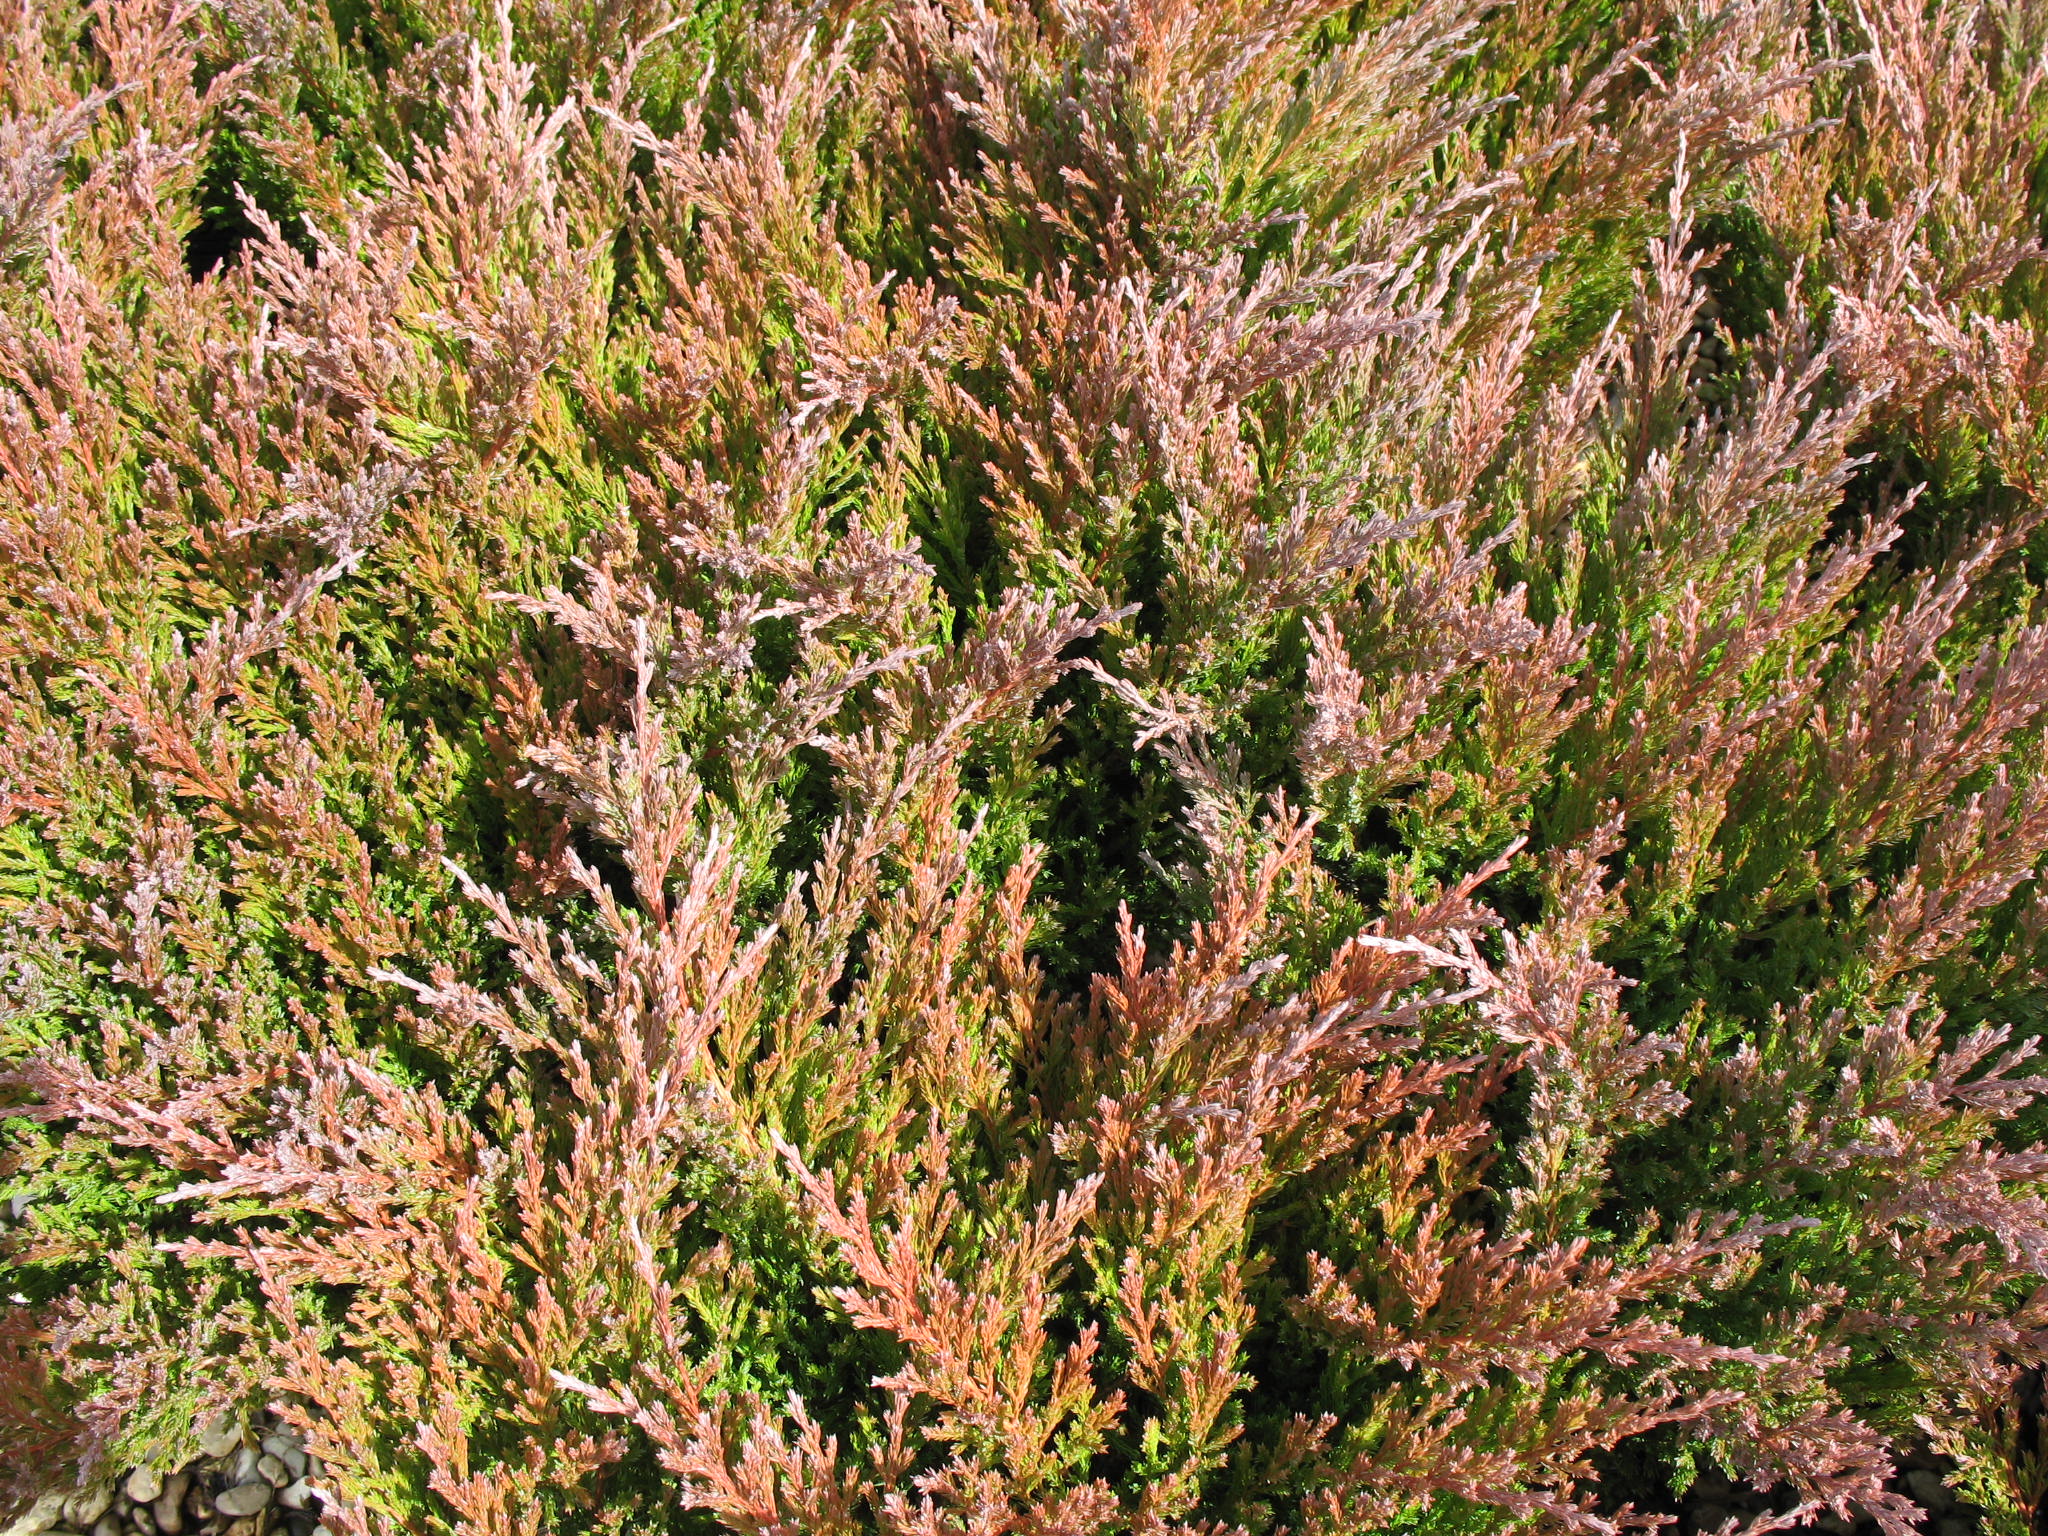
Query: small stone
column 144, row 1484
column 243, row 1499
column 197, row 1505
column 170, row 1520
column 222, row 1435
column 272, row 1471
column 1927, row 1489
column 295, row 1460
column 142, row 1520
column 84, row 1508
column 277, row 1445
column 295, row 1495
column 249, row 1525
column 243, row 1466
column 108, row 1524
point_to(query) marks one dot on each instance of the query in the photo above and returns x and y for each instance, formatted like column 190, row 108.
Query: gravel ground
column 252, row 1479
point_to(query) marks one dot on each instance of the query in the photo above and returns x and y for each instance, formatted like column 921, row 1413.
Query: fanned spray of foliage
column 1043, row 766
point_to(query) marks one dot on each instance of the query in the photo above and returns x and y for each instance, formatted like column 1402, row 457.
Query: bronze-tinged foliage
column 971, row 767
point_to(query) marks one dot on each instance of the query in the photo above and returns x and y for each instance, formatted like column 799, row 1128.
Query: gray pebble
column 243, row 1467
column 108, row 1524
column 248, row 1525
column 221, row 1435
column 243, row 1499
column 1927, row 1488
column 295, row 1495
column 173, row 1500
column 143, row 1520
column 84, row 1508
column 272, row 1471
column 170, row 1519
column 144, row 1484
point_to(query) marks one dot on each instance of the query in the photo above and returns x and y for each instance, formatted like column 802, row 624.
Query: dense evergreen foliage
column 1045, row 766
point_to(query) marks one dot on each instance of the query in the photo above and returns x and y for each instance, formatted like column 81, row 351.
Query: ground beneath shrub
column 254, row 1478
column 1922, row 1477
